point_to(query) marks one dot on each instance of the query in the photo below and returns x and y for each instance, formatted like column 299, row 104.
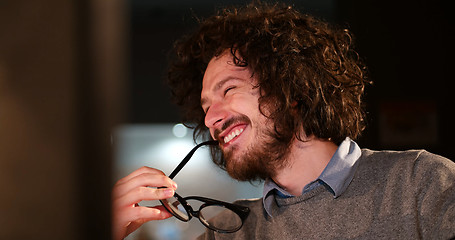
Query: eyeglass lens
column 207, row 215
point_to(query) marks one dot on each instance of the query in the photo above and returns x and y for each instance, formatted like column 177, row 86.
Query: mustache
column 229, row 122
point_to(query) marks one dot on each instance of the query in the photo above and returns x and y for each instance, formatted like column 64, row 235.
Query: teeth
column 232, row 135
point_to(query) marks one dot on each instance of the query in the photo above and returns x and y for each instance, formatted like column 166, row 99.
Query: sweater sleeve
column 435, row 179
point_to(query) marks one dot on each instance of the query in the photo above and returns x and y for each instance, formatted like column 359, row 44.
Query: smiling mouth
column 232, row 135
column 231, row 129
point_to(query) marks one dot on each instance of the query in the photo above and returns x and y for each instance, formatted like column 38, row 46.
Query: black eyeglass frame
column 241, row 211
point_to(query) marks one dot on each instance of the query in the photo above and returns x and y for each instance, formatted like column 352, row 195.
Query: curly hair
column 307, row 70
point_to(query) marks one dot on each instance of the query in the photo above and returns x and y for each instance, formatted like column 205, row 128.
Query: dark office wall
column 408, row 47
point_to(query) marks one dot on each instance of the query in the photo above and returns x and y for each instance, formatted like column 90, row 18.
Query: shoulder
column 413, row 165
column 390, row 154
column 410, row 157
column 413, row 180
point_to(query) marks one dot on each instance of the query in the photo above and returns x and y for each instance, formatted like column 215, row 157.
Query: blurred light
column 179, row 130
column 172, row 151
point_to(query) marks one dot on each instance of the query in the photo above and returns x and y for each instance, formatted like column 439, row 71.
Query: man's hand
column 132, row 189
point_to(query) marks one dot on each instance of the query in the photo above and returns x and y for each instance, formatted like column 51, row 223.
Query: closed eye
column 228, row 89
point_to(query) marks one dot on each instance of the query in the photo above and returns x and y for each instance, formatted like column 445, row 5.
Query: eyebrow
column 218, row 86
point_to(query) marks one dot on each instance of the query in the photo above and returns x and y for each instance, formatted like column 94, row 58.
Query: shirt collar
column 337, row 175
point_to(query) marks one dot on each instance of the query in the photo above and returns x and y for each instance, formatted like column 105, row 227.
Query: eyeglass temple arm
column 188, row 157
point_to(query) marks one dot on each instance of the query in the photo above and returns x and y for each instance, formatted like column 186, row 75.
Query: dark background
column 407, row 46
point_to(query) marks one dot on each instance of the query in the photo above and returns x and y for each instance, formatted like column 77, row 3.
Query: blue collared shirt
column 337, row 175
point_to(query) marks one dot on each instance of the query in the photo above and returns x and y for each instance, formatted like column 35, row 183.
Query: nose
column 215, row 116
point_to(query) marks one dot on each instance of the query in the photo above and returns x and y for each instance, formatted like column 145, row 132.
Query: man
column 282, row 94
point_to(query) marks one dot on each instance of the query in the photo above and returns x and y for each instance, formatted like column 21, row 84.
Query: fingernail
column 169, row 192
column 174, row 185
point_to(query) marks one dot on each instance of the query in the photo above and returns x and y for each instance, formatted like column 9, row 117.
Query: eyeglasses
column 179, row 207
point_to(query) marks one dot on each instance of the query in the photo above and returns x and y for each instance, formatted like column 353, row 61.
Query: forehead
column 222, row 69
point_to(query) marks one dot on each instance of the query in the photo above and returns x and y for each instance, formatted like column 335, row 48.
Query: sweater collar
column 337, row 175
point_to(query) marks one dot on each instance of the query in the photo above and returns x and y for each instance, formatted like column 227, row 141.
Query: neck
column 307, row 160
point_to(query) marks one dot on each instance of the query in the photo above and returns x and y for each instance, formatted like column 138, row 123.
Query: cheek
column 245, row 104
column 250, row 108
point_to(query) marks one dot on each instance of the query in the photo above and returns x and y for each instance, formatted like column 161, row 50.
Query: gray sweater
column 393, row 195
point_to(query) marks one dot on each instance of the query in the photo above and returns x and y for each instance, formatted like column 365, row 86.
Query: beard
column 261, row 159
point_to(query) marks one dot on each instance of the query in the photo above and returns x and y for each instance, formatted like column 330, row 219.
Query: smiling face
column 229, row 98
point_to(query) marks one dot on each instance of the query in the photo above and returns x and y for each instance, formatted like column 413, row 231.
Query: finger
column 164, row 214
column 140, row 171
column 143, row 180
column 144, row 214
column 143, row 193
column 129, row 219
